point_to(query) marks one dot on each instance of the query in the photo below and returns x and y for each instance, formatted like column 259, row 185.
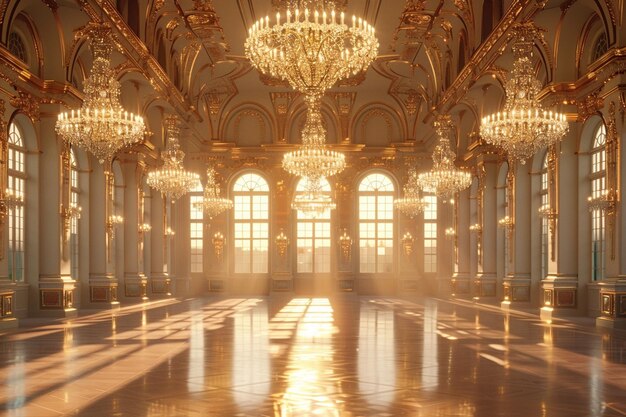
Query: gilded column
column 135, row 280
column 485, row 282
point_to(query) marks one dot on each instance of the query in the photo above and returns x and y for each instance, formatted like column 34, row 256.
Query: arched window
column 430, row 234
column 545, row 202
column 17, row 185
column 196, row 230
column 16, row 46
column 251, row 195
column 600, row 47
column 492, row 13
column 376, row 193
column 598, row 186
column 74, row 202
column 462, row 55
column 313, row 236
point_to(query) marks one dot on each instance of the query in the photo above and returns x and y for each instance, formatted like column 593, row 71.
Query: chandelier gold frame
column 171, row 179
column 444, row 179
column 212, row 204
column 524, row 126
column 101, row 126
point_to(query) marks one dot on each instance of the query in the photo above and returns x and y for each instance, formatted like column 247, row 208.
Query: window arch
column 376, row 194
column 545, row 202
column 313, row 235
column 74, row 202
column 16, row 46
column 598, row 187
column 196, row 230
column 17, row 185
column 251, row 195
column 600, row 47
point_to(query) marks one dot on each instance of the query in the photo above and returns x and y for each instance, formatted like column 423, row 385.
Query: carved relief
column 281, row 102
column 366, row 131
column 26, row 103
column 260, row 133
column 344, row 103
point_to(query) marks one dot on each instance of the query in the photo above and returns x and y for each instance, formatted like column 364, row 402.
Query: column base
column 559, row 296
column 516, row 288
column 283, row 282
column 612, row 303
column 103, row 291
column 161, row 285
column 56, row 296
column 484, row 286
column 460, row 284
column 136, row 286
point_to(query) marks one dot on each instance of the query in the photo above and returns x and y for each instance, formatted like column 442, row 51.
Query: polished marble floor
column 326, row 357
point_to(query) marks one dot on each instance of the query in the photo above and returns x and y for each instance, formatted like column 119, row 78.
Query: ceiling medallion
column 171, row 179
column 101, row 126
column 412, row 204
column 444, row 179
column 311, row 46
column 212, row 204
column 524, row 126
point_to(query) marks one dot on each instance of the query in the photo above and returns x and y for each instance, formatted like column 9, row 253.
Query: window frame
column 16, row 174
column 597, row 181
column 373, row 193
column 261, row 223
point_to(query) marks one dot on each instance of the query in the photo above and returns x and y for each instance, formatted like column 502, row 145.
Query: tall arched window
column 17, row 184
column 543, row 193
column 600, row 47
column 376, row 193
column 251, row 195
column 313, row 236
column 598, row 186
column 430, row 234
column 196, row 230
column 74, row 202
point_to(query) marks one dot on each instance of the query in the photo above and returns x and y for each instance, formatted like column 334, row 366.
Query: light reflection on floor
column 345, row 356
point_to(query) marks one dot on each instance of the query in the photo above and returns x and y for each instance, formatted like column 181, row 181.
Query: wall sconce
column 407, row 243
column 345, row 244
column 506, row 222
column 145, row 228
column 450, row 233
column 282, row 241
column 218, row 244
column 605, row 201
column 475, row 228
column 169, row 232
column 12, row 198
column 112, row 222
column 70, row 213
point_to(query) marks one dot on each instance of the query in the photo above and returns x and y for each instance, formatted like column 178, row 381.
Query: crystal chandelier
column 171, row 179
column 311, row 48
column 212, row 204
column 411, row 204
column 101, row 126
column 313, row 202
column 444, row 179
column 523, row 127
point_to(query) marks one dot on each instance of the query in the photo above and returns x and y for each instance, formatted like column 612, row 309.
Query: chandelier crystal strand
column 313, row 202
column 524, row 126
column 411, row 204
column 212, row 204
column 444, row 179
column 313, row 159
column 101, row 126
column 171, row 179
column 311, row 48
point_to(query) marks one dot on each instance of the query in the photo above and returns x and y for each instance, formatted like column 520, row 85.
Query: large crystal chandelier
column 313, row 201
column 524, row 126
column 171, row 179
column 412, row 204
column 212, row 204
column 444, row 179
column 311, row 46
column 101, row 126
